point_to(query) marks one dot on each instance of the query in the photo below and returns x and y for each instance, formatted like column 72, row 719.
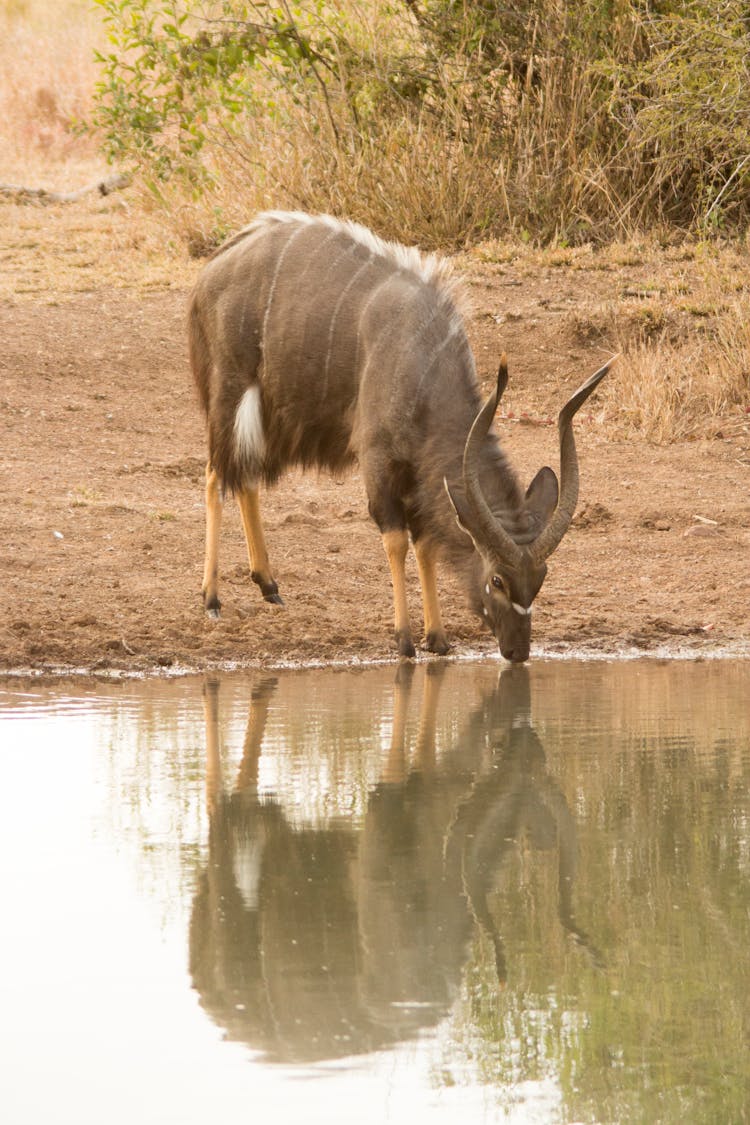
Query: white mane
column 431, row 268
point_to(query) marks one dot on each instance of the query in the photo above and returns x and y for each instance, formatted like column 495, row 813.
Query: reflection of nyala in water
column 320, row 942
column 514, row 801
column 274, row 947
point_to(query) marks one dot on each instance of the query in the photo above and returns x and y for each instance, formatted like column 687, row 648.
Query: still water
column 444, row 893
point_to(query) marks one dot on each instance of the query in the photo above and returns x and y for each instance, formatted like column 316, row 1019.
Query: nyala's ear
column 541, row 499
column 460, row 510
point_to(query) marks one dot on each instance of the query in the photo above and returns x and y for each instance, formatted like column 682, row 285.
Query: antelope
column 315, row 343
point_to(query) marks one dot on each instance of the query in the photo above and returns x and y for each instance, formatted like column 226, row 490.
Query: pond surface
column 442, row 893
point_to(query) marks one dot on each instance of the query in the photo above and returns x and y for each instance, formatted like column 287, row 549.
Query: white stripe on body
column 455, row 327
column 279, row 263
column 410, row 346
column 331, row 328
column 374, row 294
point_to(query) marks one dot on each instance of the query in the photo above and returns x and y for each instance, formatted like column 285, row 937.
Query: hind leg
column 214, row 511
column 260, row 568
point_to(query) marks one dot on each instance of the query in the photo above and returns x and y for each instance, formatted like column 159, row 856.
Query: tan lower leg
column 213, row 757
column 260, row 568
column 247, row 777
column 426, row 734
column 435, row 639
column 214, row 509
column 396, row 545
column 394, row 771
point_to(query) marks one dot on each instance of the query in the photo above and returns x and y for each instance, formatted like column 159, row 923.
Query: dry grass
column 47, row 79
column 685, row 340
column 671, row 393
column 408, row 181
column 684, row 329
column 54, row 253
column 47, row 76
column 680, row 317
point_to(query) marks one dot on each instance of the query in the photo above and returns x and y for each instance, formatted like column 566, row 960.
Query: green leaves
column 175, row 75
column 564, row 120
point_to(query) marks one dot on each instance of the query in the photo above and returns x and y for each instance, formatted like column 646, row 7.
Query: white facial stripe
column 524, row 612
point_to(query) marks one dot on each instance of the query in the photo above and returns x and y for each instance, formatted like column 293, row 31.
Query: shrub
column 435, row 120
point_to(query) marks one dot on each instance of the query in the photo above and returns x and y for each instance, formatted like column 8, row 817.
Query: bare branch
column 42, row 195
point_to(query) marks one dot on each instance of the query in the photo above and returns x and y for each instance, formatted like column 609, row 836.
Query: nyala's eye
column 497, row 582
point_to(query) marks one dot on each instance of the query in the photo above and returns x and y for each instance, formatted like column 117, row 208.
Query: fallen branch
column 41, row 195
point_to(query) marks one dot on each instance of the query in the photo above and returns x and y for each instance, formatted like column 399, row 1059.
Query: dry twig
column 42, row 195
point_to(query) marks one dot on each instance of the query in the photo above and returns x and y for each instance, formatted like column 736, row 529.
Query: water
column 440, row 894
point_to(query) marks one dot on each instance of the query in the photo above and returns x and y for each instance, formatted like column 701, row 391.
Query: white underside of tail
column 249, row 439
column 247, row 861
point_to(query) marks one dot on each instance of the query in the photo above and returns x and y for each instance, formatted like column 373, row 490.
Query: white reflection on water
column 643, row 771
column 98, row 1019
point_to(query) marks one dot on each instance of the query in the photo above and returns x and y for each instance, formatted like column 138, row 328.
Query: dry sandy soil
column 101, row 470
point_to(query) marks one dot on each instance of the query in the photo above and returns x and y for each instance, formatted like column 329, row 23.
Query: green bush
column 437, row 120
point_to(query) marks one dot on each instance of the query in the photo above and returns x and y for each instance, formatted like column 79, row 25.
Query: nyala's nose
column 517, row 654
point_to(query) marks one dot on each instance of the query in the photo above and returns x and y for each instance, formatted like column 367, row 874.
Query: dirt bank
column 101, row 469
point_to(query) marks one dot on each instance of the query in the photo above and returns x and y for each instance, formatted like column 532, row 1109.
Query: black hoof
column 268, row 588
column 437, row 643
column 405, row 645
column 212, row 606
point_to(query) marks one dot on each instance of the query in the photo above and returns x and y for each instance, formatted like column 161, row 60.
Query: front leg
column 396, row 544
column 435, row 639
column 384, row 487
